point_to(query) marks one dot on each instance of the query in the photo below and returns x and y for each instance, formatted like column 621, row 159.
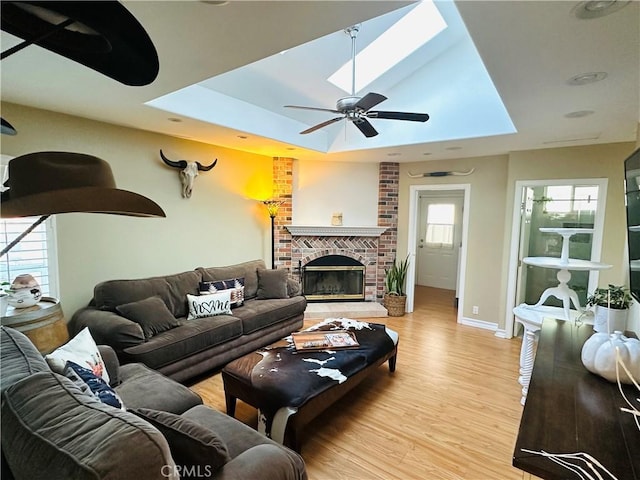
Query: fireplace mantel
column 332, row 231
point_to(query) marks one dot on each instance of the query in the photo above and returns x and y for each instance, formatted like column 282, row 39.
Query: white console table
column 531, row 316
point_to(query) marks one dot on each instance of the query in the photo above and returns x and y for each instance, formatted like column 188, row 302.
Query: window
column 34, row 254
column 568, row 198
column 440, row 221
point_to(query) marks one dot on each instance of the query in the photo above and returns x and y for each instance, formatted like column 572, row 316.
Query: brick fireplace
column 358, row 243
column 372, row 246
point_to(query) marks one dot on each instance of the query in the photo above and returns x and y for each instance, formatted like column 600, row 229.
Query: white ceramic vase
column 608, row 320
column 4, row 303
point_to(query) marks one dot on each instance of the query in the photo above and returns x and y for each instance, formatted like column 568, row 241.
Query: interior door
column 437, row 256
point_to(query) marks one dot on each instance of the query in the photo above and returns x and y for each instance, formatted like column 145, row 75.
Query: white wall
column 321, row 189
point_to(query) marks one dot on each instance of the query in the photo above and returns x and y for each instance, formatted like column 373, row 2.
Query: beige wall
column 491, row 210
column 218, row 225
column 486, row 225
column 596, row 161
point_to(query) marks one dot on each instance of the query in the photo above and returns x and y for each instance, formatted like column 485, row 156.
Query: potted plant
column 611, row 306
column 395, row 298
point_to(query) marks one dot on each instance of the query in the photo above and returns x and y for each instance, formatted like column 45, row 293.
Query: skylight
column 399, row 41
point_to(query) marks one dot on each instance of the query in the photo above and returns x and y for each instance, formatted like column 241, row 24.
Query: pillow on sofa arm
column 272, row 284
column 198, row 451
column 151, row 314
column 293, row 287
column 81, row 349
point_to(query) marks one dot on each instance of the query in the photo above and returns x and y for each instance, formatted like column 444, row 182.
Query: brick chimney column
column 388, row 187
column 282, row 190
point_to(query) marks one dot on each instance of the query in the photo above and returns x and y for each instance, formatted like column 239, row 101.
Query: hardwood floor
column 450, row 411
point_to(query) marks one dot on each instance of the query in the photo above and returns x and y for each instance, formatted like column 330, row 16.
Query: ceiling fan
column 357, row 109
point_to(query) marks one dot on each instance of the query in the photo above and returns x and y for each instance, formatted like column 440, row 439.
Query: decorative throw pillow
column 209, row 305
column 272, row 284
column 195, row 448
column 236, row 285
column 151, row 313
column 81, row 349
column 84, row 379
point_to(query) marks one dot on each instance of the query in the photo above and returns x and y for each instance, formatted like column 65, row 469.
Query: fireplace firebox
column 333, row 278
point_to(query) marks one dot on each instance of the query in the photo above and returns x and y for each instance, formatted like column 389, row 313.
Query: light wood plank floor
column 450, row 411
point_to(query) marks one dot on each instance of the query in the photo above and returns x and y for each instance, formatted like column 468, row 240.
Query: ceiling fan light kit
column 357, row 109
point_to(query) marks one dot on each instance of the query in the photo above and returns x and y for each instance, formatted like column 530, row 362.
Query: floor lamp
column 272, row 208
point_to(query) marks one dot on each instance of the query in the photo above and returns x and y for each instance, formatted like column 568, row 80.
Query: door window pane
column 440, row 221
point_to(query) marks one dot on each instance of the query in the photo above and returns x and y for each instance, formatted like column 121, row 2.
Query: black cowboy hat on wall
column 103, row 36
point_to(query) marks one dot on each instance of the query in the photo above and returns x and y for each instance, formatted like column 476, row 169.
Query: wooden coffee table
column 290, row 388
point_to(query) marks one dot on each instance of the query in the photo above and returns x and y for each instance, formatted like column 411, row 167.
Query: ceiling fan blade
column 365, row 127
column 369, row 100
column 321, row 125
column 313, row 108
column 412, row 117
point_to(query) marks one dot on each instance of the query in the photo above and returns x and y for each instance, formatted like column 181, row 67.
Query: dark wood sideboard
column 569, row 410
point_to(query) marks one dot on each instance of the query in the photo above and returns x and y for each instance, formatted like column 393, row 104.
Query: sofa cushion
column 50, row 429
column 20, row 357
column 170, row 288
column 256, row 314
column 209, row 305
column 272, row 284
column 151, row 313
column 82, row 350
column 248, row 270
column 191, row 337
column 142, row 387
column 236, row 285
column 196, row 449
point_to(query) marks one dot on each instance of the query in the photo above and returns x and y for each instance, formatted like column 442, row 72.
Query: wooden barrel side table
column 43, row 323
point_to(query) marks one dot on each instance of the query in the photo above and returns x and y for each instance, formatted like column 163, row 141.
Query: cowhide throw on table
column 288, row 378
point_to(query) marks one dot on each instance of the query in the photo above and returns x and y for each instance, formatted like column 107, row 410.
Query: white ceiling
column 529, row 48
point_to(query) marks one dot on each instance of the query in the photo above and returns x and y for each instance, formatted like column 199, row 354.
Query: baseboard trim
column 471, row 322
column 502, row 333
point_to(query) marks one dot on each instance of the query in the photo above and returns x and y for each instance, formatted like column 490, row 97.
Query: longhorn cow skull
column 188, row 172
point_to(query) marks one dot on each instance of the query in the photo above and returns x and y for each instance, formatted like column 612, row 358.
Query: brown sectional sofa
column 270, row 311
column 51, row 429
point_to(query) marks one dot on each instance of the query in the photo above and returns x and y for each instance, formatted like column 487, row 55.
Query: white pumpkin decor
column 599, row 356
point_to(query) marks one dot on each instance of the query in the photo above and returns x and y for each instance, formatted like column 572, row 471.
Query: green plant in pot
column 395, row 298
column 611, row 306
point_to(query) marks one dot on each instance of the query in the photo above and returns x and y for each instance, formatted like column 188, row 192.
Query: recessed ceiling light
column 394, row 154
column 243, row 137
column 218, row 3
column 427, row 153
column 579, row 114
column 290, row 148
column 598, row 8
column 174, row 119
column 586, row 78
column 453, row 148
